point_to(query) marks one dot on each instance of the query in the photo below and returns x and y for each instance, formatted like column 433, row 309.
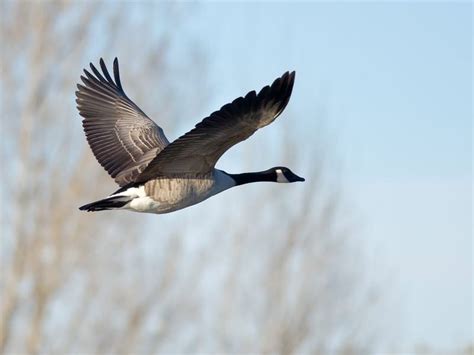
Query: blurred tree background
column 276, row 270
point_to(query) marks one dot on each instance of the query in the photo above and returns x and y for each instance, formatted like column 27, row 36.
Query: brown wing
column 123, row 139
column 199, row 149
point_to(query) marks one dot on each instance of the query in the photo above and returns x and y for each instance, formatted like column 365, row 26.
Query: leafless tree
column 51, row 253
column 246, row 279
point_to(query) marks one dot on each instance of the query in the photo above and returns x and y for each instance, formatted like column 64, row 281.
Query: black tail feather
column 108, row 203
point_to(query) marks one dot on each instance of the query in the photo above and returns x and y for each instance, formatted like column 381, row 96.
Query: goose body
column 156, row 176
column 168, row 194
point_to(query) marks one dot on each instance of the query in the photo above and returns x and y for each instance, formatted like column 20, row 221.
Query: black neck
column 245, row 178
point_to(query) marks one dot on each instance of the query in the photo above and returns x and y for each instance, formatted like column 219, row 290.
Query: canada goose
column 156, row 176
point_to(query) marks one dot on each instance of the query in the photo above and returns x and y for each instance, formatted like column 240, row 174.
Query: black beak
column 296, row 178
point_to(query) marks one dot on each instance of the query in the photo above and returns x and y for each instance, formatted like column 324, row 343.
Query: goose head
column 285, row 175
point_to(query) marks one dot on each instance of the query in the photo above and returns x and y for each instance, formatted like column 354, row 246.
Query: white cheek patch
column 280, row 176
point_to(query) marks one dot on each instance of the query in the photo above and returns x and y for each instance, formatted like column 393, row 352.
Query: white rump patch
column 141, row 202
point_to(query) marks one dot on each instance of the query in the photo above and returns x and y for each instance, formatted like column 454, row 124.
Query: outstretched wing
column 199, row 149
column 123, row 139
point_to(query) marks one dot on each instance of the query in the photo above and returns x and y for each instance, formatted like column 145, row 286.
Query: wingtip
column 291, row 75
column 282, row 89
column 288, row 77
column 116, row 65
column 93, row 68
column 117, row 75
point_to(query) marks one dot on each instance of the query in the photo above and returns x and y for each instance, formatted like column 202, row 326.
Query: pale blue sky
column 395, row 83
column 388, row 88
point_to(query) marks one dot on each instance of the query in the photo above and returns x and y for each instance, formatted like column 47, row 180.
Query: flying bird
column 157, row 176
